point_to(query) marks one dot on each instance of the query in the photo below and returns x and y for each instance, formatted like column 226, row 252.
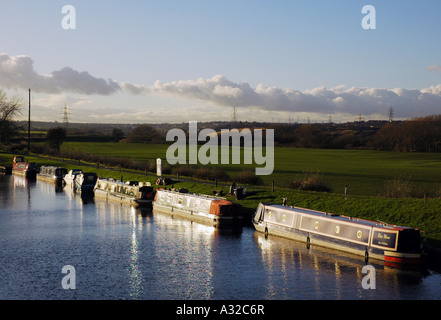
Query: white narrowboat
column 215, row 211
column 51, row 174
column 377, row 240
column 136, row 194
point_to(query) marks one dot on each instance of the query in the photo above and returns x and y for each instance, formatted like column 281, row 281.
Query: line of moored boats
column 377, row 240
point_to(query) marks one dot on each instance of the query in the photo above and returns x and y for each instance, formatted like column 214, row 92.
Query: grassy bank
column 413, row 212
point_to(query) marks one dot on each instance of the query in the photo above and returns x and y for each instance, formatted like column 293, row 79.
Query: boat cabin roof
column 51, row 167
column 197, row 195
column 127, row 183
column 333, row 216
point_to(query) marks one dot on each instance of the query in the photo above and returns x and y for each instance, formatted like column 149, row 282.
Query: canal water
column 116, row 252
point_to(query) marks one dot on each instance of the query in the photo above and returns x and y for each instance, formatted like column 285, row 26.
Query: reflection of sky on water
column 321, row 273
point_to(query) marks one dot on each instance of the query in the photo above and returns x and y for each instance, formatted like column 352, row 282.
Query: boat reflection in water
column 112, row 217
column 73, row 195
column 324, row 273
column 185, row 262
column 19, row 181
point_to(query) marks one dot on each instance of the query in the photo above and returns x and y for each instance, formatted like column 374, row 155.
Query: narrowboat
column 376, row 240
column 51, row 174
column 214, row 211
column 23, row 168
column 69, row 178
column 134, row 193
column 85, row 182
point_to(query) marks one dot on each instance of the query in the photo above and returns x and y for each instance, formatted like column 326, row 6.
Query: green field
column 364, row 171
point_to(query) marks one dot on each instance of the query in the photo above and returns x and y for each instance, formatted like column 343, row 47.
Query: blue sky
column 196, row 60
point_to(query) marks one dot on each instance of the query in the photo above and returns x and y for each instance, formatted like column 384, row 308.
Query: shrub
column 309, row 182
column 248, row 177
column 397, row 188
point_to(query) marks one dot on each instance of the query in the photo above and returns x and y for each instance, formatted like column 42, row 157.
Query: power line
column 65, row 117
column 391, row 114
column 234, row 115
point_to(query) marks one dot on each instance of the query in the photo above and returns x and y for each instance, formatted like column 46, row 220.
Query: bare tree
column 9, row 108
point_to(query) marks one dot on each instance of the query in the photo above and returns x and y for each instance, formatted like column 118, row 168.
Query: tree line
column 415, row 135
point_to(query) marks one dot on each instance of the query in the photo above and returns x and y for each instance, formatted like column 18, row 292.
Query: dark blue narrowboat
column 376, row 240
column 84, row 183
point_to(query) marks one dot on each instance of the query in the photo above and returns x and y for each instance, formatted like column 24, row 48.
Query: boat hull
column 194, row 216
column 118, row 198
column 54, row 180
column 25, row 173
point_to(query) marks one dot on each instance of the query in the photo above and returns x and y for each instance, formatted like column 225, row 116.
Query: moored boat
column 21, row 167
column 377, row 240
column 137, row 194
column 85, row 182
column 215, row 211
column 51, row 174
column 69, row 178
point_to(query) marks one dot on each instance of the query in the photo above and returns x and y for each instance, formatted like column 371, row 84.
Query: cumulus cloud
column 18, row 72
column 354, row 100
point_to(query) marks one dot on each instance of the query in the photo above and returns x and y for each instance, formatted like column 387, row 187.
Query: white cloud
column 18, row 72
